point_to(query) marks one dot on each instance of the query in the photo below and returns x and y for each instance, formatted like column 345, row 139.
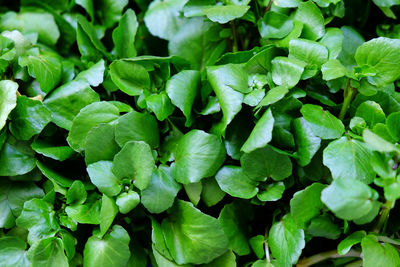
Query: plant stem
column 234, row 34
column 269, row 6
column 384, row 215
column 324, row 256
column 348, row 94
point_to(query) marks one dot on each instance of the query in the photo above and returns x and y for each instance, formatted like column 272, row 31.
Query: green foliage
column 214, row 133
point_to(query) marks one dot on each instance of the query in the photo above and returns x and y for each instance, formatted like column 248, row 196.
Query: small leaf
column 306, row 142
column 376, row 254
column 311, row 17
column 351, row 240
column 224, row 14
column 124, row 35
column 101, row 175
column 127, row 201
column 287, row 71
column 8, row 99
column 235, row 182
column 275, row 25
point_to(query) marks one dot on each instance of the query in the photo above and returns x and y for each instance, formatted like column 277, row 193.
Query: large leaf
column 136, row 126
column 16, row 158
column 12, row 252
column 29, row 118
column 322, row 122
column 287, row 71
column 135, row 161
column 8, row 99
column 197, row 155
column 124, row 35
column 349, row 159
column 100, row 174
column 110, row 251
column 286, row 241
column 261, row 134
column 227, row 82
column 48, row 252
column 381, row 54
column 192, row 236
column 311, row 17
column 89, row 117
column 161, row 192
column 349, row 199
column 233, row 180
column 376, row 254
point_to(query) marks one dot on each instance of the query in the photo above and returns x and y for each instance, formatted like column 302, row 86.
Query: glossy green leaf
column 371, row 112
column 333, row 40
column 28, row 118
column 135, row 161
column 224, row 14
column 124, row 35
column 393, row 125
column 376, row 254
column 127, row 201
column 233, row 180
column 88, row 213
column 307, row 142
column 76, row 193
column 275, row 25
column 266, row 162
column 192, row 236
column 351, row 240
column 349, row 159
column 286, row 241
column 45, row 68
column 12, row 252
column 182, row 89
column 160, row 105
column 111, row 11
column 161, row 192
column 130, row 77
column 110, row 251
column 89, row 117
column 306, row 204
column 48, row 252
column 310, row 15
column 381, row 54
column 322, row 123
column 8, row 96
column 101, row 175
column 261, row 134
column 348, row 199
column 108, row 212
column 197, row 155
column 287, row 71
column 333, row 69
column 272, row 192
column 136, row 126
column 227, row 91
column 16, row 158
column 313, row 53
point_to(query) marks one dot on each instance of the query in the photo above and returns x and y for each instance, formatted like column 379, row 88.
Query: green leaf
column 76, row 194
column 124, row 35
column 60, row 153
column 88, row 6
column 275, row 25
column 161, row 192
column 108, row 212
column 182, row 89
column 38, row 218
column 333, row 40
column 351, row 240
column 233, row 180
column 48, row 252
column 306, row 204
column 130, row 77
column 89, row 213
column 111, row 11
column 110, row 251
column 333, row 69
column 226, row 260
column 16, row 158
column 224, row 14
column 12, row 252
column 89, row 117
column 307, row 142
column 94, row 74
column 376, row 254
column 311, row 52
column 13, row 196
column 322, row 122
column 211, row 193
column 8, row 99
column 234, row 219
column 127, row 201
column 311, row 17
column 160, row 105
column 227, row 82
column 28, row 118
column 66, row 101
column 193, row 191
column 104, row 133
column 162, row 18
column 136, row 126
column 274, row 95
column 272, row 192
column 192, row 236
column 41, row 23
column 261, row 134
column 380, row 54
column 47, row 70
column 349, row 199
column 352, row 40
column 322, row 226
column 197, row 155
column 135, row 161
column 286, row 241
column 287, row 71
column 393, row 125
column 101, row 175
column 349, row 159
column 371, row 112
column 266, row 162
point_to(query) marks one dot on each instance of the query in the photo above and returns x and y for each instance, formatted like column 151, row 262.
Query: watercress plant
column 199, row 133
